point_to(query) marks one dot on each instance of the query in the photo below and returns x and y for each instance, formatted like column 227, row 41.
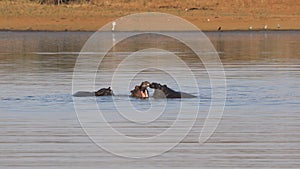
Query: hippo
column 163, row 91
column 101, row 92
column 141, row 91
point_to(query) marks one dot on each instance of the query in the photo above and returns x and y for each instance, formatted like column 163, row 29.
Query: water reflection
column 39, row 50
column 256, row 46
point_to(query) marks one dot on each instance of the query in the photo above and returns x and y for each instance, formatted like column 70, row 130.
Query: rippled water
column 259, row 128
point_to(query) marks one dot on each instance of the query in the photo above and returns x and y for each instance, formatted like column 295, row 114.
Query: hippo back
column 83, row 94
column 101, row 92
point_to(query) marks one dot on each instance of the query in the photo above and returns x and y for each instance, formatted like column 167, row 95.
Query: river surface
column 259, row 128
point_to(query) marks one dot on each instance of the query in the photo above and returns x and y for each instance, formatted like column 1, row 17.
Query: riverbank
column 209, row 16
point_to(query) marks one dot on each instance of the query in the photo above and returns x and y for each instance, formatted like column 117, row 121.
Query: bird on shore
column 265, row 27
column 113, row 26
column 250, row 28
column 278, row 26
column 219, row 29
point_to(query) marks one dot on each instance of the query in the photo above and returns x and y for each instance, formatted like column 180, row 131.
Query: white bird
column 265, row 27
column 250, row 27
column 278, row 26
column 113, row 26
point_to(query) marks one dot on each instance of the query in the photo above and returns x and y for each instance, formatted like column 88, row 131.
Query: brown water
column 259, row 127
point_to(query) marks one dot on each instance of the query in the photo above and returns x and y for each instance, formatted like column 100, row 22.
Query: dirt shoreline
column 239, row 15
column 236, row 30
column 34, row 24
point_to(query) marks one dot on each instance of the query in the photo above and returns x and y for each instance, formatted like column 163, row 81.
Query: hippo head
column 141, row 91
column 144, row 85
column 104, row 92
column 155, row 86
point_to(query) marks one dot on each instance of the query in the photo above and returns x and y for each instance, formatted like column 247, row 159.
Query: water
column 259, row 127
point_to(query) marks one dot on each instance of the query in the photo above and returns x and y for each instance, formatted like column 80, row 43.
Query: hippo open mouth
column 141, row 91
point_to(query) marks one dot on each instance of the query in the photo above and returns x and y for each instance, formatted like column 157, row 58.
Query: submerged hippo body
column 141, row 91
column 163, row 91
column 101, row 92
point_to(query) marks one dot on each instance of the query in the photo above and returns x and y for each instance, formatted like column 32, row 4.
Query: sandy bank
column 237, row 15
